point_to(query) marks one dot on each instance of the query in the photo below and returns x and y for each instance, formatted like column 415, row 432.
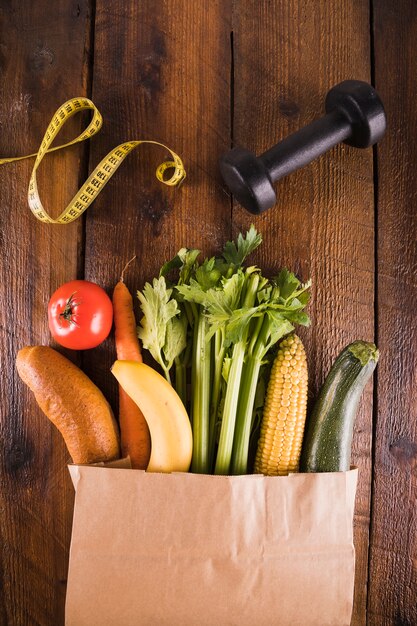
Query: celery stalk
column 201, row 396
column 250, row 375
column 217, row 358
column 261, row 341
column 256, row 352
column 166, row 374
column 180, row 380
column 182, row 363
column 227, row 429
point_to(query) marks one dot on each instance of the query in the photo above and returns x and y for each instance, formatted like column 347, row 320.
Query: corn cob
column 285, row 409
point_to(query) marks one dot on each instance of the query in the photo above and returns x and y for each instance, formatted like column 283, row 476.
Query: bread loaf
column 72, row 402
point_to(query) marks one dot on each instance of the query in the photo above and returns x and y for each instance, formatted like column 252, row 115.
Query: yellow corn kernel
column 284, row 415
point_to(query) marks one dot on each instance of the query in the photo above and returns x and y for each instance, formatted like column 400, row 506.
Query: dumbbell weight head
column 364, row 109
column 248, row 179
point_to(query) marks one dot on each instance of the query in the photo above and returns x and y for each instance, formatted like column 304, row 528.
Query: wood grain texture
column 287, row 55
column 393, row 555
column 43, row 62
column 173, row 71
column 164, row 75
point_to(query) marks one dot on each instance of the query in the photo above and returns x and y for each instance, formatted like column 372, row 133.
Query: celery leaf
column 208, row 275
column 175, row 339
column 193, row 292
column 174, row 263
column 236, row 253
column 189, row 258
column 238, row 323
column 287, row 283
column 158, row 309
column 278, row 327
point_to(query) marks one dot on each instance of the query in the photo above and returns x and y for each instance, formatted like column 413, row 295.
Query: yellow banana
column 169, row 425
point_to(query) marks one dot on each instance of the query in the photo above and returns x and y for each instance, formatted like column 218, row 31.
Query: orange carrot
column 134, row 431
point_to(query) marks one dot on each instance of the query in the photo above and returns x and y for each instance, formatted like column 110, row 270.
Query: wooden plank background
column 393, row 550
column 44, row 60
column 200, row 77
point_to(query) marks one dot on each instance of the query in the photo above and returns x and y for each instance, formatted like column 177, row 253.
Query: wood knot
column 288, row 108
column 41, row 59
column 18, row 456
column 149, row 67
column 149, row 76
column 4, row 56
column 154, row 207
column 404, row 452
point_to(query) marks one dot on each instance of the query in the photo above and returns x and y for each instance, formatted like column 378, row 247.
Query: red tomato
column 80, row 315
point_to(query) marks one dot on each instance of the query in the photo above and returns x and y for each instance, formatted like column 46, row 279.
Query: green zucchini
column 328, row 438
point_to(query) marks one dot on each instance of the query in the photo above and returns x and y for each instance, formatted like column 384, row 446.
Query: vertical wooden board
column 43, row 62
column 393, row 553
column 287, row 55
column 161, row 72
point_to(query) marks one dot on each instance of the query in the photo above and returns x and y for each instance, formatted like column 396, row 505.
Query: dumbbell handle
column 305, row 145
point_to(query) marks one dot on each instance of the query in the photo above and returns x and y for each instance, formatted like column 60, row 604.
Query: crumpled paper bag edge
column 74, row 468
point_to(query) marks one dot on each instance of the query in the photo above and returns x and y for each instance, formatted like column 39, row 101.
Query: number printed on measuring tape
column 101, row 174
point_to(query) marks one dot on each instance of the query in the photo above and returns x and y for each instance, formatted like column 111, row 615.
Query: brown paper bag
column 188, row 550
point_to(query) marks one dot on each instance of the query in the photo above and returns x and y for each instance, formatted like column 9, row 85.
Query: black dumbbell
column 355, row 115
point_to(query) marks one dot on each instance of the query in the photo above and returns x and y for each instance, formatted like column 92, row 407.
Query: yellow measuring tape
column 102, row 173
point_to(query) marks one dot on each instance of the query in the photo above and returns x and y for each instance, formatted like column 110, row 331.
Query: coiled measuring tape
column 101, row 174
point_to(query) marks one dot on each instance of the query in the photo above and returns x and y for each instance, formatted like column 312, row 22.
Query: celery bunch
column 214, row 324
